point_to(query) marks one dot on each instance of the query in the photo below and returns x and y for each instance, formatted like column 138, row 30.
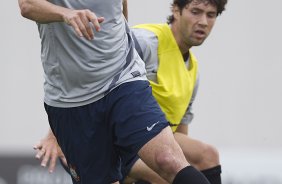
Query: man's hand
column 83, row 21
column 48, row 150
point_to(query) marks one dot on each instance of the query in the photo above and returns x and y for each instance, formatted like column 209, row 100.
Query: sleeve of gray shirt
column 146, row 44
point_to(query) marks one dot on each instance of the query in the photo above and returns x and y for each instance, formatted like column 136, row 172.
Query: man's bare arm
column 43, row 11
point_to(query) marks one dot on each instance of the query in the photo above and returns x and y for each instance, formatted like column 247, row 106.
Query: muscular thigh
column 137, row 118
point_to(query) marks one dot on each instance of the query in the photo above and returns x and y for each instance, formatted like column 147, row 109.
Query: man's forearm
column 41, row 11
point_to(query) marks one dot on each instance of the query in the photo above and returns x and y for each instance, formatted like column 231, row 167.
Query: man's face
column 195, row 22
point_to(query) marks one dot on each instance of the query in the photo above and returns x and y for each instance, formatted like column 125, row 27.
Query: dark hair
column 220, row 5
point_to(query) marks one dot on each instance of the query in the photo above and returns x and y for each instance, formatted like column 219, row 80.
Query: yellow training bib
column 175, row 85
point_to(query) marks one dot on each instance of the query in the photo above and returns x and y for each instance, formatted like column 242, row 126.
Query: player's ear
column 175, row 11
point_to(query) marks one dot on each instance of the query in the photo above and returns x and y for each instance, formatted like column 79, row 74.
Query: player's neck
column 183, row 47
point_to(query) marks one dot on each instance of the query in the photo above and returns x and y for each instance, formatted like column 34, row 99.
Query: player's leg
column 86, row 140
column 163, row 155
column 202, row 156
column 199, row 154
column 140, row 171
column 141, row 127
column 66, row 168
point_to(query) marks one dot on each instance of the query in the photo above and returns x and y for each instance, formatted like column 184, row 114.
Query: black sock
column 190, row 175
column 213, row 174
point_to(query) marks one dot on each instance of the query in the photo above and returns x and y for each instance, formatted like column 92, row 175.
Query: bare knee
column 168, row 161
column 163, row 155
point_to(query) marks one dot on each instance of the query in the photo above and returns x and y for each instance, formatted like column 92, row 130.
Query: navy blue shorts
column 96, row 138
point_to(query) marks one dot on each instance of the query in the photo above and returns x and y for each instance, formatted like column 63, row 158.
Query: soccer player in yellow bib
column 173, row 73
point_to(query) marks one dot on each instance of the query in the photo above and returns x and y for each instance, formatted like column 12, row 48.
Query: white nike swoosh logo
column 152, row 126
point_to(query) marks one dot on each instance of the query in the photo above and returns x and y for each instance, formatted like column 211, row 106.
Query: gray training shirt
column 78, row 71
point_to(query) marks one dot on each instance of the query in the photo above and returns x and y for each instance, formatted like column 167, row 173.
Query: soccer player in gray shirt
column 98, row 101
